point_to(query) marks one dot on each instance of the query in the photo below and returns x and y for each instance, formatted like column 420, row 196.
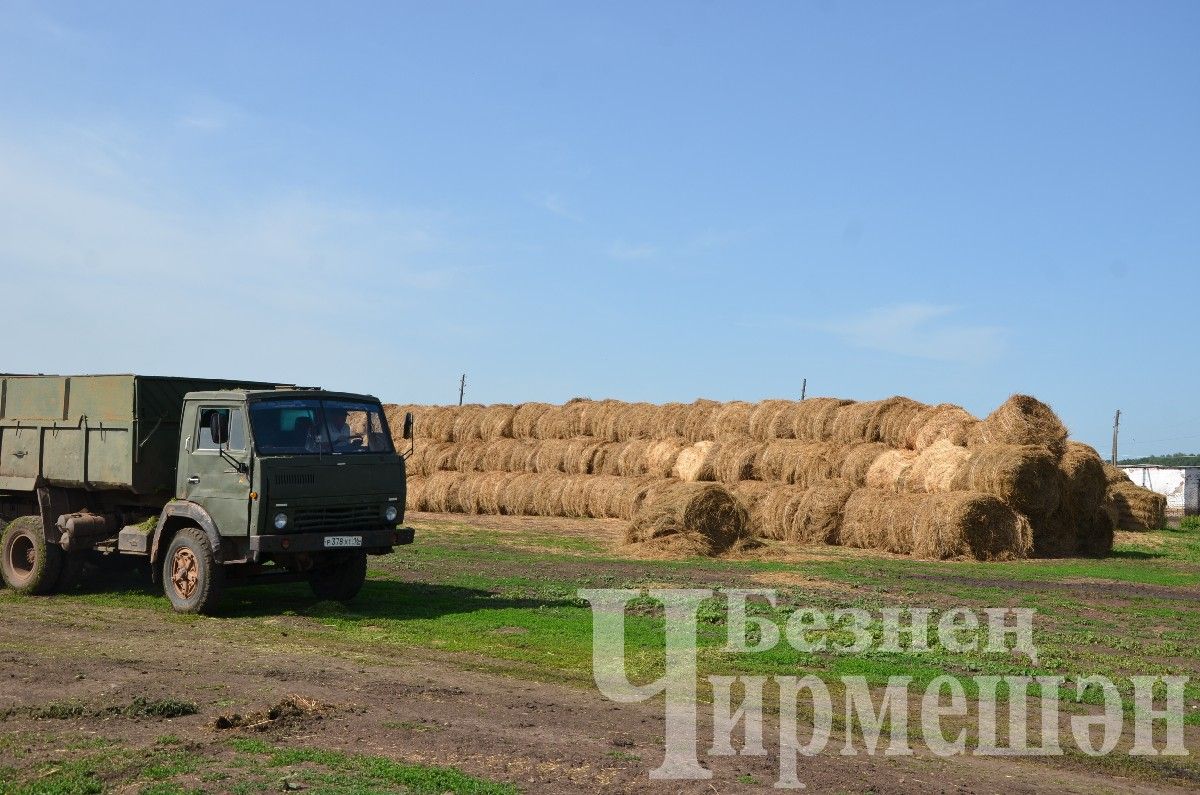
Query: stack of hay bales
column 1130, row 506
column 896, row 475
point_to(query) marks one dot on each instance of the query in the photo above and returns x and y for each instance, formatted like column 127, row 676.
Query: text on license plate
column 343, row 541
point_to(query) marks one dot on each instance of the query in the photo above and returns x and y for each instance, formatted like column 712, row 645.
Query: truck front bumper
column 375, row 542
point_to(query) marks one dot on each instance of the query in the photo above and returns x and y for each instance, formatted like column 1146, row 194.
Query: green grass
column 507, row 602
column 261, row 768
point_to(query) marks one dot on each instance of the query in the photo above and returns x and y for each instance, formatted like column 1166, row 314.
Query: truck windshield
column 290, row 427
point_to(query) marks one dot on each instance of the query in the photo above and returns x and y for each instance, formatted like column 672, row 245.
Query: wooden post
column 1116, row 428
column 462, row 387
column 803, row 388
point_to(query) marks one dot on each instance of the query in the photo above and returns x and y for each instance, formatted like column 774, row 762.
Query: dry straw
column 938, row 526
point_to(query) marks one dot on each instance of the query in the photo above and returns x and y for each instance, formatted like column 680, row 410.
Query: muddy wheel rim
column 22, row 558
column 185, row 573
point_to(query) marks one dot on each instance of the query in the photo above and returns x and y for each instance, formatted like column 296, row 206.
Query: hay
column 890, row 420
column 698, row 422
column 1084, row 479
column 889, row 471
column 706, row 517
column 692, row 464
column 525, row 419
column 1022, row 476
column 1135, row 508
column 1021, row 420
column 852, row 422
column 732, row 420
column 854, row 461
column 938, row 466
column 797, row 463
column 1114, row 474
column 772, row 419
column 813, row 419
column 943, row 422
column 818, row 517
column 937, row 526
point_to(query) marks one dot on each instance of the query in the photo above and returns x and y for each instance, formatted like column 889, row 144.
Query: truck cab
column 302, row 482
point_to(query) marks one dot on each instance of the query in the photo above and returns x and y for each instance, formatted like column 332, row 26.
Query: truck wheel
column 27, row 562
column 341, row 578
column 191, row 575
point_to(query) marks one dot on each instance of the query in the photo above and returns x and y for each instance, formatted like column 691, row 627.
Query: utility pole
column 803, row 388
column 1116, row 427
column 462, row 387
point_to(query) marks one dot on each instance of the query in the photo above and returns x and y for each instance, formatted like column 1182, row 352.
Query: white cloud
column 920, row 330
column 121, row 267
column 557, row 205
column 629, row 252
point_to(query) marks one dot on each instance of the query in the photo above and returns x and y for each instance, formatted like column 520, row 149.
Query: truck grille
column 335, row 517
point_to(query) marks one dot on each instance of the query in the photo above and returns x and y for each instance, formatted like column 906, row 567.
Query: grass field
column 499, row 596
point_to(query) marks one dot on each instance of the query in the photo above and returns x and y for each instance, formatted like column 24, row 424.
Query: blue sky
column 651, row 201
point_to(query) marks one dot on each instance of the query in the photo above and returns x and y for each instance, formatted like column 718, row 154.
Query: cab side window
column 237, row 428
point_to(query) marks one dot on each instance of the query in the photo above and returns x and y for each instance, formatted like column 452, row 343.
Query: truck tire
column 29, row 564
column 191, row 575
column 341, row 578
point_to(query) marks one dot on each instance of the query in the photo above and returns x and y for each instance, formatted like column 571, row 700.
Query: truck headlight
column 390, row 513
column 280, row 521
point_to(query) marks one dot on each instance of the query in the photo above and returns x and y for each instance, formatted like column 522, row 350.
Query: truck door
column 216, row 479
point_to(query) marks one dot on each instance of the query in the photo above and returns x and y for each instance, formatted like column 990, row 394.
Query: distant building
column 1180, row 485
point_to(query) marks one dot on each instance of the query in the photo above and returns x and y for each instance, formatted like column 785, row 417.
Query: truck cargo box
column 95, row 431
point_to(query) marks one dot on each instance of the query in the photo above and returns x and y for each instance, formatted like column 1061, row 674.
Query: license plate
column 343, row 541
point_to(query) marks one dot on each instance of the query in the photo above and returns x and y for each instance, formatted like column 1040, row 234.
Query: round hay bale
column 732, row 420
column 605, row 417
column 734, row 458
column 1021, row 420
column 671, row 420
column 943, row 422
column 705, row 511
column 465, row 426
column 937, row 467
column 554, row 423
column 694, row 464
column 818, row 518
column 525, row 419
column 637, row 421
column 776, row 511
column 936, row 526
column 1084, row 479
column 661, row 455
column 889, row 470
column 854, row 461
column 813, row 419
column 1023, row 476
column 853, row 423
column 889, row 423
column 1135, row 508
column 796, row 462
column 631, row 460
column 438, row 423
column 698, row 424
column 751, row 493
column 772, row 419
column 550, row 455
column 496, row 422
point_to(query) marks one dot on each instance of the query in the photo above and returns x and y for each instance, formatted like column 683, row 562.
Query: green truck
column 212, row 482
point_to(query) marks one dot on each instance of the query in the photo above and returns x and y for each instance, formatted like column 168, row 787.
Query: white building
column 1180, row 485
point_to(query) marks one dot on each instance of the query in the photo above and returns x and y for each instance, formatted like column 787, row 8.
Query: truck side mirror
column 218, row 426
column 408, row 425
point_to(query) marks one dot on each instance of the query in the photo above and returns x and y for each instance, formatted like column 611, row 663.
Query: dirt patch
column 290, row 712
